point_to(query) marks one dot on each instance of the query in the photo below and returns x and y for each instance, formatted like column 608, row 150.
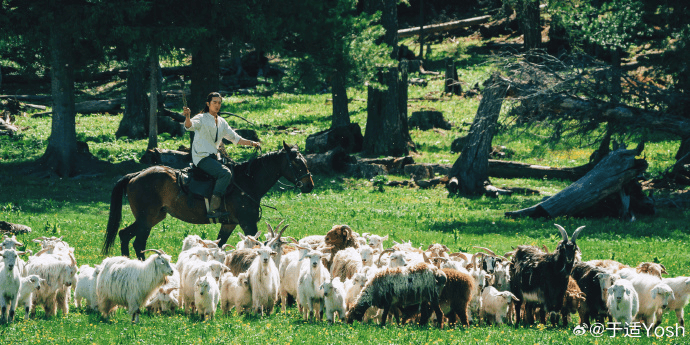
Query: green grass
column 77, row 209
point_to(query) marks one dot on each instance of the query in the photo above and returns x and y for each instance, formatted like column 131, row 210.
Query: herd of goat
column 347, row 276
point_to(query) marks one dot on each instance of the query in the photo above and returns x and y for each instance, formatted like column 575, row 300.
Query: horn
column 74, row 261
column 270, row 229
column 545, row 248
column 563, row 233
column 462, row 255
column 389, row 250
column 226, row 246
column 577, row 232
column 426, row 259
column 486, row 250
column 283, row 229
column 158, row 251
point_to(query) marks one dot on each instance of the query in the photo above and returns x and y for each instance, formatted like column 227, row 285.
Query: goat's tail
column 116, row 211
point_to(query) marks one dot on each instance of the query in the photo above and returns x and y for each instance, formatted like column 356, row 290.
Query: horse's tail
column 116, row 211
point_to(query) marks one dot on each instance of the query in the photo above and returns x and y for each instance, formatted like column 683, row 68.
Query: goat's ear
column 384, row 238
column 627, row 291
column 654, row 292
column 274, row 253
column 663, row 269
column 687, row 282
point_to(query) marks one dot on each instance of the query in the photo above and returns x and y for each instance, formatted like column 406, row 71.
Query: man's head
column 213, row 102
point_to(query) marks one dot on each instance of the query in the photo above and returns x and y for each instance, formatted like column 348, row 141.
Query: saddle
column 197, row 183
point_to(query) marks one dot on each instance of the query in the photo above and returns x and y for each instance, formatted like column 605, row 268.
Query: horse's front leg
column 224, row 233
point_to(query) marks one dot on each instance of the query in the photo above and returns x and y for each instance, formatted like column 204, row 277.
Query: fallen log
column 429, row 29
column 29, row 98
column 392, row 165
column 607, row 178
column 172, row 158
column 14, row 228
column 110, row 106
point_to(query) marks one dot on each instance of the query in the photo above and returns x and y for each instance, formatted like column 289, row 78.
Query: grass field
column 77, row 209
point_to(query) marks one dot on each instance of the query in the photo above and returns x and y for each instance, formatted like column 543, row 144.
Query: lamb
column 653, row 295
column 681, row 293
column 496, row 303
column 542, row 278
column 572, row 300
column 60, row 274
column 10, row 280
column 456, row 296
column 167, row 298
column 264, row 280
column 86, row 287
column 623, row 302
column 127, row 282
column 196, row 270
column 353, row 287
column 312, row 274
column 334, row 299
column 29, row 285
column 401, row 287
column 235, row 292
column 206, row 296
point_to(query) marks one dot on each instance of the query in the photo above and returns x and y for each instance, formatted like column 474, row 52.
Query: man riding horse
column 210, row 130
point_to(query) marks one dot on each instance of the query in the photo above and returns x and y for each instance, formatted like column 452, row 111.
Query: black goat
column 542, row 278
column 594, row 306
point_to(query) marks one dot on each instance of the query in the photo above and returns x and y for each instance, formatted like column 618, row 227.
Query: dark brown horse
column 154, row 192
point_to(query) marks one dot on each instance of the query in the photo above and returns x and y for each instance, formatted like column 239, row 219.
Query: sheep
column 60, row 274
column 130, row 282
column 10, row 280
column 589, row 279
column 194, row 271
column 235, row 292
column 334, row 299
column 345, row 263
column 86, row 287
column 375, row 241
column 400, row 287
column 681, row 293
column 654, row 296
column 312, row 274
column 496, row 303
column 264, row 280
column 455, row 297
column 622, row 302
column 29, row 285
column 206, row 296
column 572, row 300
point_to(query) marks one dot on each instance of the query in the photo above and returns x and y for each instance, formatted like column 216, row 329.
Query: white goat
column 206, row 296
column 334, row 298
column 681, row 294
column 167, row 298
column 375, row 241
column 29, row 285
column 312, row 274
column 496, row 303
column 353, row 287
column 290, row 265
column 9, row 284
column 86, row 287
column 235, row 292
column 130, row 283
column 193, row 272
column 60, row 274
column 264, row 280
column 654, row 295
column 622, row 301
column 346, row 262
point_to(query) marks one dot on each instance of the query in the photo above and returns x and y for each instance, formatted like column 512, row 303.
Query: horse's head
column 295, row 169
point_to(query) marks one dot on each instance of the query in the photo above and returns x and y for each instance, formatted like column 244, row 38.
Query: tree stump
column 426, row 120
column 419, row 171
column 452, row 84
column 331, row 162
column 171, row 158
column 367, row 171
column 392, row 165
column 348, row 137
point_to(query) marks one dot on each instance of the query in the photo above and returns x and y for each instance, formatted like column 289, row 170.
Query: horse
column 154, row 192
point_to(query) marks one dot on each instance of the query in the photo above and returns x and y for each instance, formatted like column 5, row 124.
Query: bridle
column 298, row 180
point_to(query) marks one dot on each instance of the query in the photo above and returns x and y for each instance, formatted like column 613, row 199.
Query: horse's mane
column 243, row 166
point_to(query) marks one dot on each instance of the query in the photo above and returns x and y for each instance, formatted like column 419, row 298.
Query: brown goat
column 456, row 295
column 571, row 301
column 608, row 265
column 341, row 237
column 651, row 268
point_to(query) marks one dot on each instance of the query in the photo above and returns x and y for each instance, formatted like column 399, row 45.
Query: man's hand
column 186, row 112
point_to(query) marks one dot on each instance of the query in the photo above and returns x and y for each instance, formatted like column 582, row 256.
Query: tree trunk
column 472, row 167
column 347, row 137
column 133, row 123
column 389, row 20
column 60, row 155
column 452, row 84
column 387, row 133
column 205, row 72
column 607, row 178
column 530, row 25
column 153, row 97
column 421, row 29
column 341, row 115
column 616, row 90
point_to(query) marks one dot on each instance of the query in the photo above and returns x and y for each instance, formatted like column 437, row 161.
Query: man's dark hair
column 209, row 98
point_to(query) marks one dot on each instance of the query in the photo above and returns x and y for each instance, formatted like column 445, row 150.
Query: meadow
column 77, row 210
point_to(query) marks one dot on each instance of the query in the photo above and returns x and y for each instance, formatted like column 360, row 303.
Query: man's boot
column 214, row 208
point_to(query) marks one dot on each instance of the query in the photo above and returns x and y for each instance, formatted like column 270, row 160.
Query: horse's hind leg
column 126, row 235
column 224, row 233
column 144, row 231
